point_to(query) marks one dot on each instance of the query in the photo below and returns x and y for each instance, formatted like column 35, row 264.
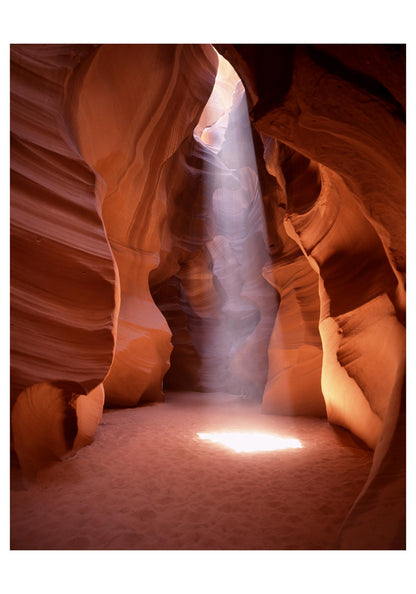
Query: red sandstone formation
column 127, row 192
column 295, row 351
column 81, row 172
column 343, row 177
column 128, row 148
column 63, row 280
column 63, row 300
column 52, row 419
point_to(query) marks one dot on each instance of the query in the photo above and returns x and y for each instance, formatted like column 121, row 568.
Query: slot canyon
column 208, row 259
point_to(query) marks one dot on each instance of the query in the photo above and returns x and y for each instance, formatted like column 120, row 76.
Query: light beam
column 234, row 349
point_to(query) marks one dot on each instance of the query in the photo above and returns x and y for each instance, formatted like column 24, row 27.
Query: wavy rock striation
column 93, row 131
column 132, row 184
column 338, row 152
column 63, row 301
column 52, row 420
column 128, row 127
column 63, row 281
column 295, row 350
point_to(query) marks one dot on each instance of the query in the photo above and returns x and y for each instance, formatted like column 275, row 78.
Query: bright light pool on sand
column 251, row 441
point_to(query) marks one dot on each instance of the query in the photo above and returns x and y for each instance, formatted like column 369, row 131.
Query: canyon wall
column 64, row 294
column 131, row 210
column 332, row 119
column 135, row 107
column 93, row 131
column 63, row 282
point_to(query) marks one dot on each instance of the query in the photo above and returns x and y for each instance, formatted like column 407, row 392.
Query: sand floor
column 149, row 482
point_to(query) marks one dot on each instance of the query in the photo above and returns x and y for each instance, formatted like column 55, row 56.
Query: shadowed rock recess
column 140, row 259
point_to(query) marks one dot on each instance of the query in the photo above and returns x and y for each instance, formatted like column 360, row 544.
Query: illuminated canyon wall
column 122, row 162
column 94, row 130
column 332, row 119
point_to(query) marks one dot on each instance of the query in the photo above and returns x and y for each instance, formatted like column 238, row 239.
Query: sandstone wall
column 63, row 283
column 93, row 130
column 135, row 106
column 64, row 294
column 112, row 206
column 334, row 132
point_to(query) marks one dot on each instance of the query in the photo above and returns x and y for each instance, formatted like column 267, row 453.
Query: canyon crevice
column 149, row 253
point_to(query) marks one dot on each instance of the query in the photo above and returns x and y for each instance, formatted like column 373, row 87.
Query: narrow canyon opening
column 226, row 306
column 208, row 297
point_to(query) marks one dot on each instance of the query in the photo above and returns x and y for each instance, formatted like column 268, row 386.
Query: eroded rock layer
column 93, row 129
column 135, row 106
column 295, row 349
column 334, row 133
column 62, row 273
column 131, row 184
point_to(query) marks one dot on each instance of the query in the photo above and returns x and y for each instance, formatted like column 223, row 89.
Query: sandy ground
column 149, row 482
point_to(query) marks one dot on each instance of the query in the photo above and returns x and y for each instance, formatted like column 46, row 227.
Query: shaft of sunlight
column 235, row 349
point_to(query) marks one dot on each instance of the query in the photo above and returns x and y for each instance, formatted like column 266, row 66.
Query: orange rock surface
column 333, row 125
column 93, row 130
column 132, row 209
column 134, row 106
column 63, row 282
